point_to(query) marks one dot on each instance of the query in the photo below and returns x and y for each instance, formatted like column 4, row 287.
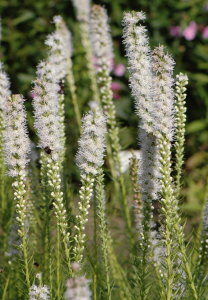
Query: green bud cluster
column 180, row 117
column 81, row 219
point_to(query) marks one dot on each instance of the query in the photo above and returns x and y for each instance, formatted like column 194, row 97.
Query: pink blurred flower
column 190, row 31
column 201, row 27
column 116, row 96
column 175, row 31
column 206, row 6
column 115, row 86
column 119, row 70
column 205, row 33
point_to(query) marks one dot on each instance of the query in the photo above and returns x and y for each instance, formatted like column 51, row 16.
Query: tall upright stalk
column 100, row 196
column 82, row 8
column 103, row 52
column 17, row 147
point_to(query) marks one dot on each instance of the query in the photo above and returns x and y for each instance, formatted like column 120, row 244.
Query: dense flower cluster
column 60, row 46
column 138, row 53
column 17, row 143
column 92, row 142
column 163, row 105
column 46, row 108
column 100, row 36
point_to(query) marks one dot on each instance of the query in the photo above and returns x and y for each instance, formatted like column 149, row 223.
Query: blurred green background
column 26, row 23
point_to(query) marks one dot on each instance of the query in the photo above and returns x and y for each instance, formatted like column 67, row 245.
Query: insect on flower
column 36, row 264
column 47, row 150
column 1, row 270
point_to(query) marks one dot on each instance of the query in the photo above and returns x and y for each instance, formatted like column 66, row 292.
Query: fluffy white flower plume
column 17, row 143
column 138, row 53
column 46, row 108
column 60, row 47
column 141, row 79
column 92, row 142
column 4, row 88
column 78, row 289
column 100, row 36
column 83, row 10
column 4, row 93
column 164, row 121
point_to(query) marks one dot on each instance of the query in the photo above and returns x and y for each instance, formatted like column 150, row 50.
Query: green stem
column 118, row 273
column 103, row 225
column 68, row 259
column 183, row 252
column 199, row 230
column 169, row 291
column 95, row 247
column 49, row 258
column 126, row 209
column 25, row 260
column 58, row 262
column 5, row 288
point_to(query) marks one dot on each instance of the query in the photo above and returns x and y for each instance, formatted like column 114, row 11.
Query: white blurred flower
column 4, row 88
column 83, row 10
column 78, row 289
column 39, row 292
column 124, row 158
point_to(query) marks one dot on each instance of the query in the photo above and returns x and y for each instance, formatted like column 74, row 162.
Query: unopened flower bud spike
column 180, row 117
